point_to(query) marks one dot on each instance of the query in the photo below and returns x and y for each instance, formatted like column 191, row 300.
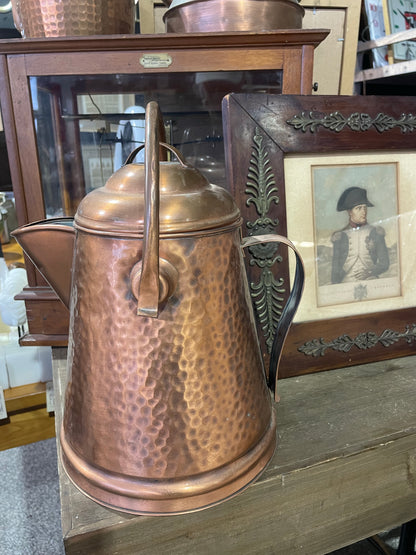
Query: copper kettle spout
column 50, row 246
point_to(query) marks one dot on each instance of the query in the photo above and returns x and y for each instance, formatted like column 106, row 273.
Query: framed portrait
column 343, row 272
column 336, row 175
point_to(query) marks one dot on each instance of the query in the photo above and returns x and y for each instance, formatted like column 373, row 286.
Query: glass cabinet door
column 74, row 110
column 86, row 126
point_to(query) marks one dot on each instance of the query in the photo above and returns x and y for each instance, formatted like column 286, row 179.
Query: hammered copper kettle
column 167, row 408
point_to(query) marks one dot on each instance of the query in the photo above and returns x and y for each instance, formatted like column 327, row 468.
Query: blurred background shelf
column 28, row 418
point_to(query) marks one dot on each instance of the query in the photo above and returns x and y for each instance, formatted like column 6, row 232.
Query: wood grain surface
column 344, row 469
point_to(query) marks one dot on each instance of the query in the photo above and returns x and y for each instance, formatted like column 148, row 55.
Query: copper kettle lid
column 188, row 202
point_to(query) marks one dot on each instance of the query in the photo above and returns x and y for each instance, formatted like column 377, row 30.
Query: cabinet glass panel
column 87, row 125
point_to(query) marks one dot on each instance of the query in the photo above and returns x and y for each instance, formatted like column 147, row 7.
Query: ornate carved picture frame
column 293, row 163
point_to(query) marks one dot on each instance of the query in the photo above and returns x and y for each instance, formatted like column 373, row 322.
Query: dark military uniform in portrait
column 359, row 251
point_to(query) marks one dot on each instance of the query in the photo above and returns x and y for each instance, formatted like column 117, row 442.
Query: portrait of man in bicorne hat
column 359, row 249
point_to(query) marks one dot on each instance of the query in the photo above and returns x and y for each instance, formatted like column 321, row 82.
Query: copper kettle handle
column 290, row 308
column 155, row 283
column 148, row 297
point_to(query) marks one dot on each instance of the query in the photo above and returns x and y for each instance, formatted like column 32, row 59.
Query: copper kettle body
column 167, row 406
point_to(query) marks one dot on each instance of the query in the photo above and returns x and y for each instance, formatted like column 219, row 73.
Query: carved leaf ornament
column 356, row 122
column 267, row 293
column 261, row 184
column 364, row 340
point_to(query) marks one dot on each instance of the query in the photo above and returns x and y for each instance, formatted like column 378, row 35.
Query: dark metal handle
column 290, row 306
column 175, row 151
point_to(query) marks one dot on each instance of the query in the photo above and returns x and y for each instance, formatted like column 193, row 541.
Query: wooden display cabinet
column 64, row 104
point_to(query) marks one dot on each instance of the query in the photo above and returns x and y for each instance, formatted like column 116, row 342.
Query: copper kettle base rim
column 165, row 497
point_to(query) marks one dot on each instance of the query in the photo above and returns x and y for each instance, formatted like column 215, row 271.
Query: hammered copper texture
column 165, row 407
column 233, row 15
column 61, row 18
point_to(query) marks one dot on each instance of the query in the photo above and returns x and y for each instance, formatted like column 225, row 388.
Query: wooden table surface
column 344, row 469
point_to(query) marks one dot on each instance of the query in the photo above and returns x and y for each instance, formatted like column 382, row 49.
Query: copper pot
column 193, row 16
column 64, row 18
column 167, row 408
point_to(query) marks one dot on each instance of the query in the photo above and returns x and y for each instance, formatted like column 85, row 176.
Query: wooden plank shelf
column 344, row 470
column 388, row 70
